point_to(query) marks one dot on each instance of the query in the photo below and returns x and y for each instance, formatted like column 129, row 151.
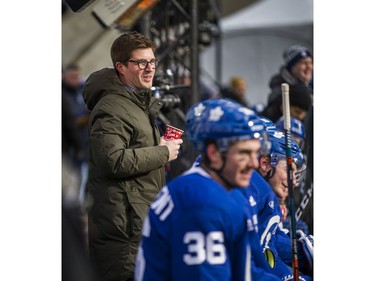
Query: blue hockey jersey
column 196, row 230
column 262, row 197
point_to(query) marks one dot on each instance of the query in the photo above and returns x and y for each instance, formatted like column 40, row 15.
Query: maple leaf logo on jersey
column 246, row 111
column 215, row 114
column 198, row 110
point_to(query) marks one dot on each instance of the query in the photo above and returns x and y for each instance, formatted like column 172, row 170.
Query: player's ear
column 264, row 164
column 213, row 155
column 120, row 67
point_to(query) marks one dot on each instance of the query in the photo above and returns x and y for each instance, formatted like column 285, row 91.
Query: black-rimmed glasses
column 142, row 64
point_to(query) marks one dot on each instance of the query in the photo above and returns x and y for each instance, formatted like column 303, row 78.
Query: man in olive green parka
column 127, row 155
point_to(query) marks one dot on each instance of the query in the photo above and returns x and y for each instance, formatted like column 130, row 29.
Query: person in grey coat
column 127, row 154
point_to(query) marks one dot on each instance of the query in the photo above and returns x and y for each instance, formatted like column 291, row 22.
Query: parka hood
column 99, row 84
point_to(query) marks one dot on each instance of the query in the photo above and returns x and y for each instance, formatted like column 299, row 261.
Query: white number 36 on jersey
column 201, row 248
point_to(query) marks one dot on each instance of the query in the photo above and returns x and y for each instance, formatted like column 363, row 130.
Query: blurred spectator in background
column 72, row 85
column 300, row 99
column 71, row 152
column 75, row 262
column 298, row 66
column 297, row 71
column 236, row 91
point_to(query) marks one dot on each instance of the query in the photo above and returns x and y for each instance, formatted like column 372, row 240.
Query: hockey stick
column 304, row 202
column 286, row 110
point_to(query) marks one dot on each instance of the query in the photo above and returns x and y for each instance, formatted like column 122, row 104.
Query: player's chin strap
column 219, row 172
column 269, row 174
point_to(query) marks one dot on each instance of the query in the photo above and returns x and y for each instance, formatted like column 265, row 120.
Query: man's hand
column 173, row 147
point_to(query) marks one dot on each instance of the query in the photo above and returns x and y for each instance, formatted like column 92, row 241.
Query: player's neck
column 215, row 176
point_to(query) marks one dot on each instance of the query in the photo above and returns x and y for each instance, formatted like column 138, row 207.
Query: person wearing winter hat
column 299, row 63
column 297, row 71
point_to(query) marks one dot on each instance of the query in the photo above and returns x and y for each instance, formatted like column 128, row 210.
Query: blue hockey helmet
column 297, row 129
column 278, row 148
column 268, row 123
column 222, row 120
column 278, row 152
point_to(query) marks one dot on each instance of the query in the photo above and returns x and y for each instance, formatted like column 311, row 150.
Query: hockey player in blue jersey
column 265, row 190
column 198, row 227
column 276, row 244
column 304, row 194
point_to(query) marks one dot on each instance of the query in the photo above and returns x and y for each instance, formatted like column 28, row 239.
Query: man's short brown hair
column 125, row 44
